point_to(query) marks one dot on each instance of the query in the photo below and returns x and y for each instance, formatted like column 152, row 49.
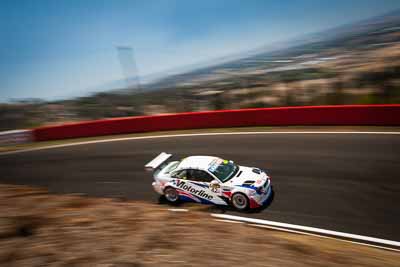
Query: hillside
column 352, row 64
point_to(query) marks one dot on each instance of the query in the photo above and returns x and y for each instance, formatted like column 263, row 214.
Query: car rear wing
column 157, row 161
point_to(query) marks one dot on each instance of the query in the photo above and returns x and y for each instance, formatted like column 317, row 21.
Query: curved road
column 342, row 182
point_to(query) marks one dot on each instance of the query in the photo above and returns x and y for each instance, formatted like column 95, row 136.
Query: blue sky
column 54, row 49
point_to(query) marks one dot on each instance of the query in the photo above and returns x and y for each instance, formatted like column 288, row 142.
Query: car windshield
column 223, row 169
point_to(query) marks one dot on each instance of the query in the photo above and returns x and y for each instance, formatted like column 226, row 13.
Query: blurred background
column 66, row 61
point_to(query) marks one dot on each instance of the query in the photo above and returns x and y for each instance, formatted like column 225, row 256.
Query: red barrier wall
column 309, row 115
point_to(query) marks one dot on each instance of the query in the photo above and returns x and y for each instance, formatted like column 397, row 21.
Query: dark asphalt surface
column 342, row 182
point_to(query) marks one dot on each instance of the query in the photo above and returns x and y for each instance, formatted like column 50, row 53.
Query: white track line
column 308, row 229
column 187, row 135
column 320, row 236
column 179, row 210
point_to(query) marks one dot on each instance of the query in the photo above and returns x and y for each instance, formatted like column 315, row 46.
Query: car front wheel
column 240, row 201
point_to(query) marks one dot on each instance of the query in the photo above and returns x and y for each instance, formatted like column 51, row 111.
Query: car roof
column 197, row 162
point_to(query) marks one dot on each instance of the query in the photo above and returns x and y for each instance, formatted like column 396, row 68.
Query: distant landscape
column 353, row 64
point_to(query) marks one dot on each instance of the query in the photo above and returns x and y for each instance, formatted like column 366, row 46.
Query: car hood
column 249, row 176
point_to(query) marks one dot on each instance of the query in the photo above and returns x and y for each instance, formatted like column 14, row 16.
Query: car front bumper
column 260, row 200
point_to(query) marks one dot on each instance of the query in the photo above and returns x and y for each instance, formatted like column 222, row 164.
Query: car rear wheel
column 171, row 195
column 240, row 201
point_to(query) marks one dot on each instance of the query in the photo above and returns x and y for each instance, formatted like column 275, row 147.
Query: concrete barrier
column 377, row 115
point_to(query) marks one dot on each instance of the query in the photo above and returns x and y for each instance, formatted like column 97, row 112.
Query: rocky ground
column 41, row 229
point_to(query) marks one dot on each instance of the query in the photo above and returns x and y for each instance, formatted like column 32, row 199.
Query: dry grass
column 38, row 229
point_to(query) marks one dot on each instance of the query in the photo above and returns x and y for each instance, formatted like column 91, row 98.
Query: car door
column 208, row 184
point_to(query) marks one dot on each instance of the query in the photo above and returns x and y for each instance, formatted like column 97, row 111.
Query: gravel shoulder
column 41, row 229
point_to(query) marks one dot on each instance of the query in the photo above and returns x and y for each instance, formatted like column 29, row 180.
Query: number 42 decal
column 215, row 187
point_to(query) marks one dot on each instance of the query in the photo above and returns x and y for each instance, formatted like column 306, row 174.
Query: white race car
column 210, row 180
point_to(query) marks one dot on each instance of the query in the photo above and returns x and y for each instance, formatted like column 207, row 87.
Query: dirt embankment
column 40, row 229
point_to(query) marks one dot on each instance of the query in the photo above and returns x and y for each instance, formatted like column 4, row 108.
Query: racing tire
column 240, row 201
column 171, row 195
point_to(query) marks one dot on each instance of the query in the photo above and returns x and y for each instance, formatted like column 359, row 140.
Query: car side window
column 180, row 174
column 190, row 175
column 201, row 176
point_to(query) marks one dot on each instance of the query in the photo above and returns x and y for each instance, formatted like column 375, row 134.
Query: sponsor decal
column 197, row 192
column 215, row 188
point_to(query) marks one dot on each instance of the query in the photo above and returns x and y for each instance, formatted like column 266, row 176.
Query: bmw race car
column 210, row 180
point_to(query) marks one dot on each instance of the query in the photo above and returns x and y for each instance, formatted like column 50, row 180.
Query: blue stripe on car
column 199, row 184
column 247, row 186
column 186, row 199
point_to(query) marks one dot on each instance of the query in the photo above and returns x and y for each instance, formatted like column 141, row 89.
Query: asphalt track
column 342, row 182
